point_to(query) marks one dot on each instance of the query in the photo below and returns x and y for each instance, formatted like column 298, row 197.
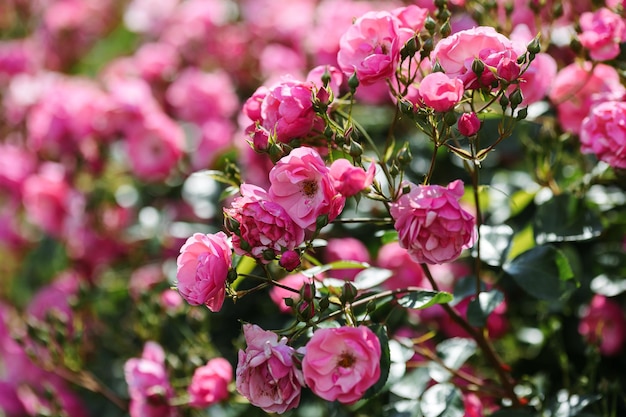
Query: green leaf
column 480, row 307
column 385, row 360
column 495, row 242
column 567, row 405
column 387, row 236
column 420, row 299
column 465, row 287
column 565, row 218
column 541, row 272
column 316, row 270
column 371, row 277
column 412, row 385
column 453, row 354
column 442, row 400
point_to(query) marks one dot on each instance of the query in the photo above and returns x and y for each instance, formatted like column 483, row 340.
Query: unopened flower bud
column 307, row 292
column 353, row 82
column 427, row 47
column 450, row 118
column 430, row 25
column 349, row 293
column 468, row 124
column 516, row 98
column 445, row 29
column 404, row 155
column 289, row 260
column 478, row 67
column 356, row 149
column 534, row 47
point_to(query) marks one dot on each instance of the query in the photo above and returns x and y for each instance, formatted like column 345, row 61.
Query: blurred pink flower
column 603, row 133
column 602, row 32
column 214, row 137
column 371, row 47
column 345, row 249
column 209, row 383
column 440, row 92
column 603, row 324
column 56, row 298
column 302, row 185
column 431, row 224
column 156, row 62
column 342, row 363
column 406, row 271
column 203, row 266
column 16, row 164
column 278, row 294
column 266, row 371
column 349, row 179
column 263, row 228
column 144, row 278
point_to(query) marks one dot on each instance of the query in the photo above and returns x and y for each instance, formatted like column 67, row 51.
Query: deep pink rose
column 209, row 383
column 350, row 180
column 431, row 224
column 342, row 363
column 290, row 260
column 603, row 324
column 302, row 185
column 602, row 32
column 457, row 52
column 406, row 271
column 603, row 133
column 148, row 383
column 266, row 371
column 578, row 87
column 440, row 92
column 468, row 124
column 203, row 266
column 264, row 229
column 371, row 47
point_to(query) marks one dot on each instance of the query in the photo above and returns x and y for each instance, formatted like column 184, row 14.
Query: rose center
column 346, row 360
column 309, row 188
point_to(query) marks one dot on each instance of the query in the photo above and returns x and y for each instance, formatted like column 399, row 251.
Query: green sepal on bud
column 406, row 107
column 522, row 113
column 427, row 47
column 446, row 29
column 504, row 102
column 232, row 225
column 307, row 292
column 324, row 303
column 348, row 293
column 410, row 48
column 534, row 47
column 326, row 77
column 232, row 275
column 516, row 98
column 430, row 25
column 478, row 67
column 356, row 150
column 269, row 255
column 353, row 82
column 450, row 118
column 404, row 156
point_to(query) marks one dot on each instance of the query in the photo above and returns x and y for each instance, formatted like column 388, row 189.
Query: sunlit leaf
column 565, row 218
column 495, row 242
column 424, row 298
column 371, row 277
column 480, row 307
column 453, row 354
column 442, row 400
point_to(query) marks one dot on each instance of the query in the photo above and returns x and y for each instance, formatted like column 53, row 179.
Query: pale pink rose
column 145, row 278
column 287, row 21
column 156, row 62
column 203, row 266
column 578, row 87
column 276, row 60
column 148, row 383
column 266, row 373
column 371, row 47
column 345, row 249
column 603, row 324
column 411, row 17
column 287, row 111
column 264, row 229
column 209, row 383
column 342, row 363
column 406, row 271
column 602, row 32
column 214, row 137
column 603, row 133
column 145, row 16
column 302, row 185
column 457, row 52
column 431, row 224
column 335, row 77
column 349, row 179
column 440, row 92
column 279, row 294
column 154, row 147
column 468, row 124
column 171, row 301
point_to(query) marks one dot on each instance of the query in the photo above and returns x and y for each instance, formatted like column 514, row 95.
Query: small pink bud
column 289, row 260
column 468, row 124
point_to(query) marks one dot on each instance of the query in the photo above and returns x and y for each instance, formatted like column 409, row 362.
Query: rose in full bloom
column 468, row 124
column 209, row 383
column 266, row 371
column 202, row 269
column 371, row 47
column 342, row 363
column 603, row 133
column 148, row 384
column 431, row 224
column 263, row 228
column 350, row 180
column 440, row 92
column 603, row 324
column 302, row 185
column 602, row 32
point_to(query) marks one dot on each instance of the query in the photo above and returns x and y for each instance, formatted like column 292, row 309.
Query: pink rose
column 342, row 363
column 279, row 294
column 578, row 87
column 602, row 32
column 266, row 371
column 371, row 47
column 440, row 92
column 209, row 384
column 457, row 52
column 468, row 124
column 302, row 185
column 431, row 224
column 603, row 133
column 148, row 383
column 290, row 260
column 203, row 266
column 603, row 324
column 263, row 228
column 345, row 249
column 350, row 180
column 406, row 272
column 537, row 80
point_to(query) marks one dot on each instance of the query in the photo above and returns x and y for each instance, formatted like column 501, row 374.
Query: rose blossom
column 431, row 224
column 440, row 92
column 203, row 266
column 406, row 272
column 468, row 124
column 350, row 180
column 603, row 133
column 266, row 373
column 342, row 363
column 279, row 294
column 345, row 249
column 603, row 324
column 302, row 185
column 602, row 32
column 371, row 47
column 209, row 384
column 264, row 229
